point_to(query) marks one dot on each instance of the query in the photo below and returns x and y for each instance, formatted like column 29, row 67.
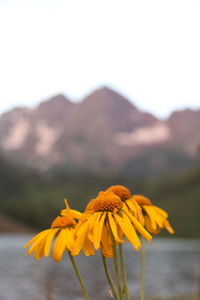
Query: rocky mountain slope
column 102, row 133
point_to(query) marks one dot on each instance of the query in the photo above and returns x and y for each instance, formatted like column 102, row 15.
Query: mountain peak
column 106, row 99
column 57, row 100
column 54, row 108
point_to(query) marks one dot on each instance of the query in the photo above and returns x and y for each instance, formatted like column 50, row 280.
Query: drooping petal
column 92, row 232
column 114, row 228
column 59, row 245
column 128, row 230
column 106, row 252
column 69, row 239
column 149, row 226
column 97, row 235
column 88, row 247
column 106, row 244
column 37, row 242
column 49, row 239
column 168, row 227
column 38, row 253
column 96, row 230
column 161, row 211
column 133, row 206
column 80, row 238
column 36, row 237
column 156, row 216
column 151, row 217
column 102, row 221
column 139, row 227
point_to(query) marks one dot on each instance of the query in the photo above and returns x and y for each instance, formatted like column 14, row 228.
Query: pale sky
column 149, row 50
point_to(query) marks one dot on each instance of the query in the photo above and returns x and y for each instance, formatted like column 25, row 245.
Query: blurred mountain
column 103, row 133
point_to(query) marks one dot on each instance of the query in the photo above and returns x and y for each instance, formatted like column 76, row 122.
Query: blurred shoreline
column 11, row 225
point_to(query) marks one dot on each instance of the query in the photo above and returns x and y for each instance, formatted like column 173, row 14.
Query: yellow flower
column 63, row 227
column 120, row 191
column 103, row 219
column 130, row 204
column 155, row 218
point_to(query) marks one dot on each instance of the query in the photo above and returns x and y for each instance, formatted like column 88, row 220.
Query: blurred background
column 95, row 93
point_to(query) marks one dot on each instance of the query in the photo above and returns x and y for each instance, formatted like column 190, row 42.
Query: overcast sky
column 149, row 50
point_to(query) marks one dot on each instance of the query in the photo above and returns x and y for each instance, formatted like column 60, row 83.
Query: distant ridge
column 104, row 132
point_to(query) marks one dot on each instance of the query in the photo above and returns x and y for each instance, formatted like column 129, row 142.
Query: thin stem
column 110, row 281
column 142, row 270
column 78, row 276
column 116, row 268
column 124, row 272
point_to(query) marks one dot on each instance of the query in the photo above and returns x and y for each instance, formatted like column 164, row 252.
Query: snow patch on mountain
column 157, row 133
column 17, row 136
column 47, row 136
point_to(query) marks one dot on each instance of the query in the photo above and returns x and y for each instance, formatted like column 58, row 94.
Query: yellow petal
column 93, row 227
column 133, row 206
column 73, row 213
column 106, row 244
column 88, row 247
column 151, row 216
column 129, row 231
column 59, row 245
column 37, row 242
column 70, row 239
column 149, row 227
column 107, row 253
column 80, row 238
column 76, row 214
column 79, row 225
column 168, row 227
column 158, row 218
column 49, row 239
column 36, row 237
column 90, row 235
column 161, row 211
column 139, row 227
column 135, row 210
column 96, row 231
column 114, row 228
column 40, row 250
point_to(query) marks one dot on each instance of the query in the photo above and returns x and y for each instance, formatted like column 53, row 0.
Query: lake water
column 172, row 269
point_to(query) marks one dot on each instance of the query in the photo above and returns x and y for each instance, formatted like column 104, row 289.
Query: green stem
column 78, row 276
column 124, row 272
column 142, row 271
column 110, row 281
column 116, row 268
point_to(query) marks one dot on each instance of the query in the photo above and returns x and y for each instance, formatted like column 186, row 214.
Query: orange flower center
column 120, row 191
column 141, row 200
column 61, row 222
column 107, row 201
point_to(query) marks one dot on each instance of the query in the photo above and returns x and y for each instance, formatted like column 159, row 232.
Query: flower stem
column 117, row 269
column 142, row 270
column 124, row 272
column 110, row 281
column 78, row 276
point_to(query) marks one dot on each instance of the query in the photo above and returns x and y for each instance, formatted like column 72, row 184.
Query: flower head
column 155, row 218
column 63, row 228
column 103, row 221
column 129, row 203
column 120, row 191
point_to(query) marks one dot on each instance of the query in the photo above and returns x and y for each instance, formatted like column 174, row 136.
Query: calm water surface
column 172, row 268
